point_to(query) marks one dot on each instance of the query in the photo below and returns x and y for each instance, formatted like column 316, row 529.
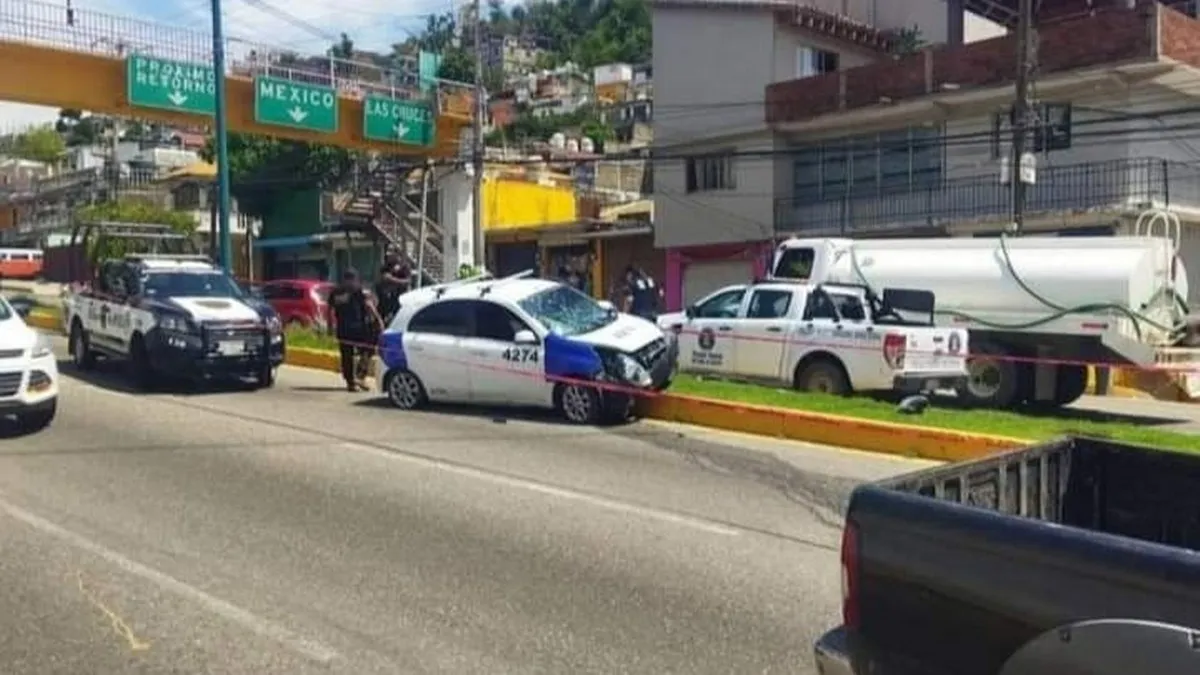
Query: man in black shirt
column 643, row 294
column 356, row 322
column 393, row 282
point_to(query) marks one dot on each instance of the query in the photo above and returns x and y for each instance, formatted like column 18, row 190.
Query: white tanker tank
column 1096, row 299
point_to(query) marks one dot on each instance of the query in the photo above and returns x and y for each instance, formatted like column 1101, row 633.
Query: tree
column 263, row 169
column 40, row 144
column 458, row 65
column 79, row 128
column 128, row 211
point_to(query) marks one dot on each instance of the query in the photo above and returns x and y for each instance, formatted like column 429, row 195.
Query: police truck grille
column 233, row 331
column 10, row 383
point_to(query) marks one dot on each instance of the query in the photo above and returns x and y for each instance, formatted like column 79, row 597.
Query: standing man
column 393, row 282
column 356, row 322
column 643, row 295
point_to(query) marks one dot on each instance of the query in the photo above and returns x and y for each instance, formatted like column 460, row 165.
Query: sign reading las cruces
column 386, row 119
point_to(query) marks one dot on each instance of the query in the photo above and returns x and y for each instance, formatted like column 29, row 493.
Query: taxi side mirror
column 607, row 306
column 690, row 311
column 525, row 337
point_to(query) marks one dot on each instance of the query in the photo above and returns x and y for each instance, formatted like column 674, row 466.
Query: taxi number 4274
column 521, row 354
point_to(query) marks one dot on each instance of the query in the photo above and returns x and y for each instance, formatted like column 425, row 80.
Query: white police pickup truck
column 28, row 372
column 524, row 342
column 826, row 338
column 173, row 315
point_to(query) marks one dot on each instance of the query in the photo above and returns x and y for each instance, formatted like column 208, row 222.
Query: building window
column 810, row 61
column 870, row 165
column 711, row 172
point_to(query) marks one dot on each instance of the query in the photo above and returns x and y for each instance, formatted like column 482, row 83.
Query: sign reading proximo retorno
column 295, row 104
column 152, row 82
column 386, row 119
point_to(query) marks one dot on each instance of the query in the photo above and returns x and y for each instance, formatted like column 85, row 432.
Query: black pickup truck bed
column 952, row 570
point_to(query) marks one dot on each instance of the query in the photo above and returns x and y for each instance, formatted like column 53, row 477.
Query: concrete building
column 817, row 125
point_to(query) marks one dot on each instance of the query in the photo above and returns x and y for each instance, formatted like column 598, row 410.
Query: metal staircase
column 380, row 209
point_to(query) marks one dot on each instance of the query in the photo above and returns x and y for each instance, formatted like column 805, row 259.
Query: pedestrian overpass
column 114, row 65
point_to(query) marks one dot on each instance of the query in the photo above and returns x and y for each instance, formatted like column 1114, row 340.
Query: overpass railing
column 57, row 26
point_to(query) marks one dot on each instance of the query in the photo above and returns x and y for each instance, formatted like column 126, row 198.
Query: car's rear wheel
column 405, row 390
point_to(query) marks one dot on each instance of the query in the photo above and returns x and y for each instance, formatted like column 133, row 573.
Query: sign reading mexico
column 298, row 105
column 179, row 86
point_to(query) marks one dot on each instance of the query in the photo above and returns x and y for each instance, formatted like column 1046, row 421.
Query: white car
column 28, row 372
column 524, row 342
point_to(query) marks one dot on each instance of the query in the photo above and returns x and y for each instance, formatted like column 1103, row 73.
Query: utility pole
column 221, row 136
column 1022, row 109
column 477, row 142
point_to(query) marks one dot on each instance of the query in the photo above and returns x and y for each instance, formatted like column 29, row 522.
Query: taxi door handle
column 774, row 329
column 724, row 328
column 479, row 352
column 416, row 348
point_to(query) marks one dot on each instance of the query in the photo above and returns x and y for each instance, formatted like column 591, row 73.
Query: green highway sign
column 298, row 105
column 170, row 85
column 386, row 119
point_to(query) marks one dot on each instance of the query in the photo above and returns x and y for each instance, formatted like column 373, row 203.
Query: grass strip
column 1034, row 427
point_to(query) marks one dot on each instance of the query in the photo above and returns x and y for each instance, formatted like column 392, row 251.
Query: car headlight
column 175, row 324
column 42, row 348
column 274, row 324
column 633, row 372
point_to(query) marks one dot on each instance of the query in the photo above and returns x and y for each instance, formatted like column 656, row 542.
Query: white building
column 772, row 120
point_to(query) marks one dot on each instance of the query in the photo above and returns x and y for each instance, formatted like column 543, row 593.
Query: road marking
column 120, row 627
column 308, row 649
column 551, row 491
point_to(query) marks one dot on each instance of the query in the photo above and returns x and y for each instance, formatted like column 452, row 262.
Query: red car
column 299, row 302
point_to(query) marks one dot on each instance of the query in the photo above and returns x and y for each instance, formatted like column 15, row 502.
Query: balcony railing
column 1119, row 185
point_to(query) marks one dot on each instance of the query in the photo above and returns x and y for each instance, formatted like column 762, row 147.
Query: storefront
column 694, row 272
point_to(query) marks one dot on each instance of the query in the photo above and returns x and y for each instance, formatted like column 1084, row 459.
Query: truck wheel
column 823, row 376
column 578, row 403
column 140, row 368
column 37, row 420
column 991, row 382
column 1070, row 383
column 265, row 378
column 81, row 347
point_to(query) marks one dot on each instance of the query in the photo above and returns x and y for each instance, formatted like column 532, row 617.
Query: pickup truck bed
column 952, row 570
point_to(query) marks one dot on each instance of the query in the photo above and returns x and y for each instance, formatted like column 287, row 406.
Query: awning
column 642, row 207
column 290, row 242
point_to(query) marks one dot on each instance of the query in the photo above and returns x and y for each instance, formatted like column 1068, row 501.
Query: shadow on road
column 111, row 375
column 499, row 415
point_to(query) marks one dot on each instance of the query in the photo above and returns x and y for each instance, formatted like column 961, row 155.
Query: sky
column 372, row 24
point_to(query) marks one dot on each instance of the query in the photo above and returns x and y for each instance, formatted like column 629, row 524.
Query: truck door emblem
column 707, row 339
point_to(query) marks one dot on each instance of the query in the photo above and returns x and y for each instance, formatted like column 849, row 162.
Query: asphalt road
column 308, row 530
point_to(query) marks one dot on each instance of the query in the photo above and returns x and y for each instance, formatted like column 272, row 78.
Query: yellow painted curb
column 1118, row 387
column 847, row 432
column 317, row 359
column 43, row 321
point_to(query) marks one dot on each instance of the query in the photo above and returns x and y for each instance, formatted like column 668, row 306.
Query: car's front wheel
column 579, row 403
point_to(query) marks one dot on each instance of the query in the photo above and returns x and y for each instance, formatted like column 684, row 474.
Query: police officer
column 356, row 322
column 393, row 282
column 642, row 293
